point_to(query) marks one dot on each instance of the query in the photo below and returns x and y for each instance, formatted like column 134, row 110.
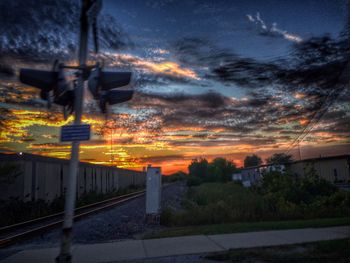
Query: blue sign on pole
column 70, row 133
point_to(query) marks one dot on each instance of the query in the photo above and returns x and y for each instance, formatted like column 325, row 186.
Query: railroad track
column 16, row 232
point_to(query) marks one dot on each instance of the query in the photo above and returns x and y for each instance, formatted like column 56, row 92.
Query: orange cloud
column 168, row 67
column 114, row 144
column 304, row 122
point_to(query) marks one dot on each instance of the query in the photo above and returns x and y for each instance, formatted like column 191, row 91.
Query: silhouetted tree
column 252, row 160
column 221, row 169
column 279, row 158
column 199, row 168
column 218, row 170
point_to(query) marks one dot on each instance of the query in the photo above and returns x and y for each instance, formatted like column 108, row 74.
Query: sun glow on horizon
column 173, row 148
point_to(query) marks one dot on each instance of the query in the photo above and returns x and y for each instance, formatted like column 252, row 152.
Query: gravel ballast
column 126, row 221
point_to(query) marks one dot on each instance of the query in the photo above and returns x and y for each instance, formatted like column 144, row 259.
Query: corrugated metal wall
column 336, row 170
column 47, row 180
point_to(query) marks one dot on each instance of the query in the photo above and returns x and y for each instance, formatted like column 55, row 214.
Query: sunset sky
column 207, row 75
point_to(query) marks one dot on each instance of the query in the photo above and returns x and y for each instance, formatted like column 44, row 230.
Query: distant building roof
column 259, row 166
column 343, row 156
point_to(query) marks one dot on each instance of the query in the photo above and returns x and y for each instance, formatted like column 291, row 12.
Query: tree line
column 220, row 169
column 277, row 158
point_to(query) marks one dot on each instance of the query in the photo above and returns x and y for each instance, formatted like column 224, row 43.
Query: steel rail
column 44, row 218
column 51, row 223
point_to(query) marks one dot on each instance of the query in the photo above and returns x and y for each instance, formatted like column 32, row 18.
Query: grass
column 247, row 227
column 319, row 252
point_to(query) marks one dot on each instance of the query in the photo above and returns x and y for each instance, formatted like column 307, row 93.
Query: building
column 252, row 175
column 45, row 178
column 335, row 169
column 237, row 177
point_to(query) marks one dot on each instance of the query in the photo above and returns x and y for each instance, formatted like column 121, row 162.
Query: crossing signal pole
column 65, row 252
column 55, row 88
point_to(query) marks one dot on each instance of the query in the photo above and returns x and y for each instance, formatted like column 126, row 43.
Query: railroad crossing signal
column 52, row 84
column 102, row 84
column 54, row 87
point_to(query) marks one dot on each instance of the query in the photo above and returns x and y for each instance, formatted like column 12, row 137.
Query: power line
column 328, row 101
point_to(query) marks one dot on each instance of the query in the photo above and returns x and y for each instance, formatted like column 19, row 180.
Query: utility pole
column 299, row 151
column 65, row 253
column 112, row 156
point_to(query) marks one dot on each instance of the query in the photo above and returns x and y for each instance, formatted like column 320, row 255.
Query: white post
column 153, row 194
column 65, row 253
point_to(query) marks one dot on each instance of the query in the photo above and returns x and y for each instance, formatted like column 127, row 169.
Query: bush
column 212, row 203
column 193, row 181
column 166, row 216
column 308, row 197
column 179, row 176
column 279, row 197
column 304, row 190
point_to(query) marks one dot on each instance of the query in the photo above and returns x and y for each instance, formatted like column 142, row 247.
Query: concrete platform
column 139, row 249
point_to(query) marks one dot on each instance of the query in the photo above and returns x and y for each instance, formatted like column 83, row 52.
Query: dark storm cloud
column 223, row 65
column 144, row 79
column 337, row 121
column 261, row 111
column 211, row 110
column 183, row 109
column 200, row 52
column 209, row 99
column 208, row 110
column 40, row 30
column 341, row 126
column 335, row 114
column 318, row 68
column 314, row 65
column 313, row 68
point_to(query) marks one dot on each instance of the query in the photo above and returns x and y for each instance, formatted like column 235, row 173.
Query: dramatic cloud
column 273, row 30
column 164, row 68
column 194, row 97
column 40, row 30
